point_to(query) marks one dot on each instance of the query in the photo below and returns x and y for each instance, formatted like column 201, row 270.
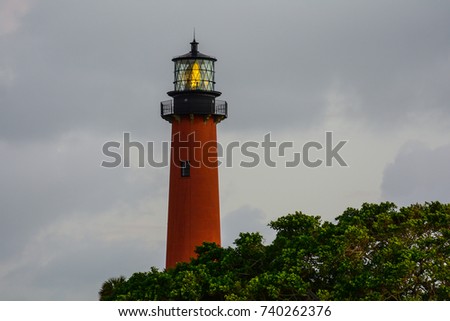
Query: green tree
column 110, row 288
column 377, row 252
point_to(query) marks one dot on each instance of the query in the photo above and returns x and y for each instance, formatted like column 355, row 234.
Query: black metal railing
column 167, row 108
column 219, row 108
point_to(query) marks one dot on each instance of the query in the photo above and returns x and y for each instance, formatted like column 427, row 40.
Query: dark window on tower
column 185, row 169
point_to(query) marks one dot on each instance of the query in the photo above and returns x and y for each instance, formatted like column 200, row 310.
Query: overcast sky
column 76, row 74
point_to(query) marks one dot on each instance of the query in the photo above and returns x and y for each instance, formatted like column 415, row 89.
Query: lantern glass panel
column 194, row 74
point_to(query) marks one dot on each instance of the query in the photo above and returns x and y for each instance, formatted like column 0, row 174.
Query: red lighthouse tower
column 194, row 213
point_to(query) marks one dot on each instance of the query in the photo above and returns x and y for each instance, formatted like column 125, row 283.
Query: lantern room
column 194, row 88
column 194, row 74
column 194, row 71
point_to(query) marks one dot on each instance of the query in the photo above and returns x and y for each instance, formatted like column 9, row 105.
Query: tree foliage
column 377, row 252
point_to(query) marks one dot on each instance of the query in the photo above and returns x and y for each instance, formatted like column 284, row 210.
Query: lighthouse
column 193, row 112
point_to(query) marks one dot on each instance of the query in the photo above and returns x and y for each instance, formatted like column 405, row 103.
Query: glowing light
column 195, row 76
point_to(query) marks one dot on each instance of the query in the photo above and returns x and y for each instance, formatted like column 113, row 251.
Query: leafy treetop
column 377, row 252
